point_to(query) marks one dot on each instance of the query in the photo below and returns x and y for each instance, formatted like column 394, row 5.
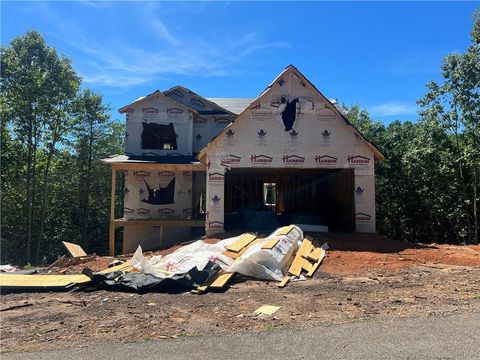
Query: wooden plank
column 153, row 167
column 284, row 282
column 111, row 234
column 19, row 281
column 221, row 281
column 299, row 262
column 315, row 254
column 233, row 254
column 285, row 230
column 270, row 244
column 317, row 264
column 126, row 267
column 242, row 242
column 74, row 250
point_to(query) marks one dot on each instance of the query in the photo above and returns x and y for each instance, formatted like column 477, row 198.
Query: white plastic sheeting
column 267, row 264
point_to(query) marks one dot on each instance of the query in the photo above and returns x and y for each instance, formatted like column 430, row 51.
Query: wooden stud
column 284, row 282
column 111, row 238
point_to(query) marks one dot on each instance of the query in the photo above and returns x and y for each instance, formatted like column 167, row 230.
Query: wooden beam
column 111, row 235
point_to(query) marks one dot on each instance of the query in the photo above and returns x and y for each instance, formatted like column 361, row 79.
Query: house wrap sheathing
column 316, row 136
column 189, row 162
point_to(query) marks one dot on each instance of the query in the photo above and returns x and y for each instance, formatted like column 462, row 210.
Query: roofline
column 376, row 152
column 194, row 93
column 123, row 109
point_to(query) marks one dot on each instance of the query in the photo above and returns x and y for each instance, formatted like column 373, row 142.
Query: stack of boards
column 308, row 258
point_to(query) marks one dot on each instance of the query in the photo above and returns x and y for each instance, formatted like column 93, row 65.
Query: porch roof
column 171, row 162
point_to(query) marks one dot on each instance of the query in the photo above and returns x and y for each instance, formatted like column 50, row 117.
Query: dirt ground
column 363, row 277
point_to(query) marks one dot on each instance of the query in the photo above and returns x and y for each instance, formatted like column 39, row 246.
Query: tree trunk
column 86, row 199
column 44, row 200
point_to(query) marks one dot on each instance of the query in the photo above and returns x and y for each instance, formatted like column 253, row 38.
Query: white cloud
column 394, row 109
column 119, row 64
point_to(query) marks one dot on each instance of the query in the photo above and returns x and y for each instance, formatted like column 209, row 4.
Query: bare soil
column 363, row 277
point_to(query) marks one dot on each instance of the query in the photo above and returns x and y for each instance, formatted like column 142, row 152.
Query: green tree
column 455, row 105
column 36, row 86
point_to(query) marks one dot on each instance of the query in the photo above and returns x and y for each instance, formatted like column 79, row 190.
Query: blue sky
column 379, row 55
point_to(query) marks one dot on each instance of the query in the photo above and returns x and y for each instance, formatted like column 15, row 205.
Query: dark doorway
column 322, row 196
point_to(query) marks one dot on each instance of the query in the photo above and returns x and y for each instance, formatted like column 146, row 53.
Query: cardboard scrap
column 267, row 310
column 74, row 250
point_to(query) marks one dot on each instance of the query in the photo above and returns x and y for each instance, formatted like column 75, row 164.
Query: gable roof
column 290, row 68
column 219, row 109
column 235, row 105
column 155, row 93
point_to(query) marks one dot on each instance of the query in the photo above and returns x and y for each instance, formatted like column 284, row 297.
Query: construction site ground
column 363, row 277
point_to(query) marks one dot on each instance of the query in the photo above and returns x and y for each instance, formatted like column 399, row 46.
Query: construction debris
column 267, row 310
column 198, row 267
column 74, row 250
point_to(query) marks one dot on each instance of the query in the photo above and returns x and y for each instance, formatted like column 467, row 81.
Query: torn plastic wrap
column 269, row 264
column 142, row 283
column 197, row 254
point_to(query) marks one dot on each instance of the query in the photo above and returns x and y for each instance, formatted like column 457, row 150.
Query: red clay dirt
column 363, row 277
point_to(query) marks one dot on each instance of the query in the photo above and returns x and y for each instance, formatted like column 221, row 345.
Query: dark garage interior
column 263, row 199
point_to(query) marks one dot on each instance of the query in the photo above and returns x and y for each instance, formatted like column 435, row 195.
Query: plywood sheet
column 270, row 244
column 285, row 230
column 74, row 249
column 20, row 281
column 244, row 241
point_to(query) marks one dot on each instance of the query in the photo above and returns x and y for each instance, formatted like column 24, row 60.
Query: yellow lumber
column 270, row 244
column 299, row 262
column 74, row 249
column 221, row 281
column 285, row 230
column 234, row 254
column 122, row 267
column 315, row 254
column 284, row 282
column 317, row 264
column 25, row 281
column 244, row 240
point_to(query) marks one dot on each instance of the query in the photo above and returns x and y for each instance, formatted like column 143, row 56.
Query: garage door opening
column 260, row 199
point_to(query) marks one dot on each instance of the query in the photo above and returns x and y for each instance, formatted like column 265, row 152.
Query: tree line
column 54, row 133
column 427, row 189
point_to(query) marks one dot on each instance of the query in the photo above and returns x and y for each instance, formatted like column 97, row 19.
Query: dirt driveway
column 363, row 277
